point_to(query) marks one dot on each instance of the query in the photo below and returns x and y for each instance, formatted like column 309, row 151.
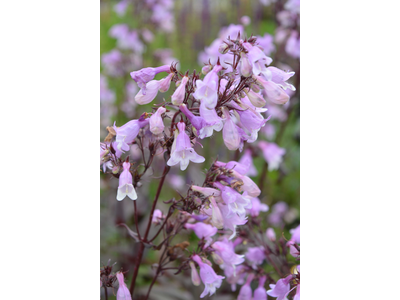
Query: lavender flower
column 211, row 280
column 206, row 90
column 123, row 291
column 272, row 153
column 281, row 288
column 179, row 95
column 143, row 76
column 203, row 231
column 156, row 122
column 183, row 153
column 260, row 293
column 127, row 133
column 125, row 187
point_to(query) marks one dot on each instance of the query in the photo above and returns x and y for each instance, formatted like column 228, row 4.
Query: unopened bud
column 165, row 83
column 197, row 200
column 216, row 218
column 271, row 234
column 223, row 48
column 256, row 99
column 195, row 275
column 206, row 69
column 255, row 88
column 246, row 69
column 217, row 259
column 115, row 169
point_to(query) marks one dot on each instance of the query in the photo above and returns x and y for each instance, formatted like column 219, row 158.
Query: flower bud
column 156, row 122
column 195, row 275
column 179, row 95
column 216, row 219
column 206, row 69
column 256, row 99
column 217, row 259
column 246, row 69
column 115, row 169
column 270, row 233
column 255, row 88
column 223, row 48
column 165, row 83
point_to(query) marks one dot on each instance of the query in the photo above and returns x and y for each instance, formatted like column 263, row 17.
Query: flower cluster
column 228, row 97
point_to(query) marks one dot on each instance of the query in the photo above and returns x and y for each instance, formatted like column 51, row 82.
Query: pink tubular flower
column 165, row 83
column 235, row 202
column 256, row 99
column 255, row 255
column 125, row 187
column 143, row 76
column 183, row 151
column 206, row 191
column 247, row 161
column 206, row 90
column 213, row 122
column 202, row 230
column 230, row 133
column 127, row 133
column 281, row 288
column 226, row 250
column 211, row 280
column 216, row 218
column 280, row 77
column 156, row 122
column 197, row 122
column 245, row 67
column 275, row 93
column 295, row 235
column 272, row 153
column 245, row 292
column 257, row 206
column 179, row 95
column 123, row 291
column 195, row 276
column 260, row 293
column 151, row 92
column 270, row 233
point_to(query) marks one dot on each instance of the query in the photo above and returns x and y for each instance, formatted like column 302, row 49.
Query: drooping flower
column 197, row 122
column 247, row 160
column 270, row 233
column 245, row 292
column 123, row 291
column 245, row 67
column 207, row 89
column 213, row 122
column 257, row 206
column 226, row 251
column 143, row 76
column 156, row 122
column 125, row 187
column 260, row 293
column 203, row 230
column 216, row 217
column 179, row 95
column 280, row 77
column 183, row 151
column 236, row 203
column 230, row 133
column 195, row 276
column 127, row 133
column 255, row 255
column 281, row 288
column 272, row 153
column 211, row 280
column 275, row 93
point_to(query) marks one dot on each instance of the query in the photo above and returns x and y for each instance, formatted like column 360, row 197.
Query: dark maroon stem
column 141, row 247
